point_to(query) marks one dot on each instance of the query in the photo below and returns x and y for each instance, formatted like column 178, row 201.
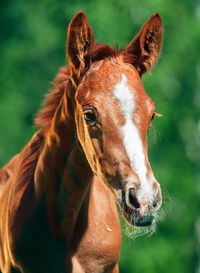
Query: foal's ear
column 144, row 50
column 80, row 40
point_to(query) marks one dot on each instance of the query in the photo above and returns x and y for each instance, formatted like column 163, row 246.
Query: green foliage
column 32, row 48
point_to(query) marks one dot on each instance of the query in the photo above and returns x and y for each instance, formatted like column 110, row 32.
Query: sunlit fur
column 50, row 200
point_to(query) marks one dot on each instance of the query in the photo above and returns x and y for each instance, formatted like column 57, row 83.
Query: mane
column 45, row 114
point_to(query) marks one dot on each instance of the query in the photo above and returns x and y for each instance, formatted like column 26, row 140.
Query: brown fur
column 44, row 116
column 52, row 170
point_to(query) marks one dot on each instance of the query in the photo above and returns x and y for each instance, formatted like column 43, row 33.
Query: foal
column 95, row 123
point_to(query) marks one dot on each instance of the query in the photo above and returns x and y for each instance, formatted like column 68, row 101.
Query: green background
column 32, row 48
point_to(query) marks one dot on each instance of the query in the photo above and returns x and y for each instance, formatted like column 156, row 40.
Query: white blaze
column 131, row 137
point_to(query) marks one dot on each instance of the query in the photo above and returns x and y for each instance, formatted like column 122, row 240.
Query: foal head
column 113, row 114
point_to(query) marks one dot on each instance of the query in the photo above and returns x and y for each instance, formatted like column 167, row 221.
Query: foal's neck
column 62, row 172
column 59, row 137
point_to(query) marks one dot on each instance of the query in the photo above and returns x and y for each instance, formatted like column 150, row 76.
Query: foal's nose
column 137, row 201
column 133, row 199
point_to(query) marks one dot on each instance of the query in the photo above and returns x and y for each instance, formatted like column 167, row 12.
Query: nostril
column 133, row 199
column 158, row 199
column 155, row 204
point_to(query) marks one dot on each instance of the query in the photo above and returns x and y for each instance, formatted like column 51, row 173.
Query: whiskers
column 164, row 212
column 134, row 232
column 168, row 205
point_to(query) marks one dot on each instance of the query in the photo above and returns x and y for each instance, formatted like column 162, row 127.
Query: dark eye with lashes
column 152, row 117
column 90, row 117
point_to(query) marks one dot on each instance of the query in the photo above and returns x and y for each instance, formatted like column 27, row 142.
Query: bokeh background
column 32, row 48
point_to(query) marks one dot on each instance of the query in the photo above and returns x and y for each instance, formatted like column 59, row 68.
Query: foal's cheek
column 96, row 139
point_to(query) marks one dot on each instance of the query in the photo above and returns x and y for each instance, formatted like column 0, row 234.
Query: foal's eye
column 152, row 117
column 90, row 117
